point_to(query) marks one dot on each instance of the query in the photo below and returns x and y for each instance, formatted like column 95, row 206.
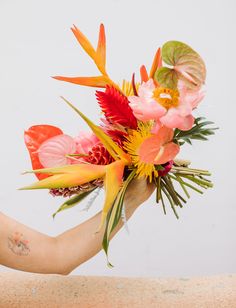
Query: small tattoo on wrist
column 18, row 245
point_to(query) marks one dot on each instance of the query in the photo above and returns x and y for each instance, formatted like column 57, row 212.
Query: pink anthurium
column 54, row 151
column 159, row 148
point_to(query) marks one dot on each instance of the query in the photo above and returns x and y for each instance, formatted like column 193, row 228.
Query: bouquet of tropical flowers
column 143, row 127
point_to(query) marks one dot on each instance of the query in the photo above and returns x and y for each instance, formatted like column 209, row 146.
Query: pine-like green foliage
column 199, row 131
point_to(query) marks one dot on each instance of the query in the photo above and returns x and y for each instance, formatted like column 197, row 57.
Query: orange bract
column 99, row 58
column 157, row 63
column 143, row 73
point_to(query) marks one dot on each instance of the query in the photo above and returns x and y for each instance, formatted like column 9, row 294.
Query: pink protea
column 172, row 108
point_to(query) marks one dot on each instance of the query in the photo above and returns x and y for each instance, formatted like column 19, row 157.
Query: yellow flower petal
column 101, row 48
column 112, row 185
column 67, row 176
column 97, row 81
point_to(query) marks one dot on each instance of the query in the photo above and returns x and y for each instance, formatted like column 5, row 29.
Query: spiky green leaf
column 199, row 131
column 71, row 202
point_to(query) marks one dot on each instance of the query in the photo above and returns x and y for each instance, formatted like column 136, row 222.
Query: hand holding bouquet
column 145, row 122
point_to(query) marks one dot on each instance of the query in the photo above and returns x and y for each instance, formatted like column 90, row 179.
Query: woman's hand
column 139, row 190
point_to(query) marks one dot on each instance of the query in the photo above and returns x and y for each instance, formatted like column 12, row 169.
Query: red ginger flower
column 116, row 107
column 99, row 155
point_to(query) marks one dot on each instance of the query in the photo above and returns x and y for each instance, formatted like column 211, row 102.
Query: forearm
column 26, row 249
column 81, row 243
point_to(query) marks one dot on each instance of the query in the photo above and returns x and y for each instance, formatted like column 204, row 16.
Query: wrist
column 130, row 206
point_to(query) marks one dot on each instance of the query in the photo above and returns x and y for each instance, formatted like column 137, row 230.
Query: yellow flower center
column 132, row 145
column 166, row 97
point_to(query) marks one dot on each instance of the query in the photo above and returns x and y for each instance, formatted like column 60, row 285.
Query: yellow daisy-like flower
column 132, row 146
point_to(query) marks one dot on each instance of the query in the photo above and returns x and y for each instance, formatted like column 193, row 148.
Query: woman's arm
column 25, row 249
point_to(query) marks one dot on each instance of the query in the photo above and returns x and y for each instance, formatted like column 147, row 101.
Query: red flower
column 167, row 167
column 116, row 107
column 34, row 137
column 98, row 155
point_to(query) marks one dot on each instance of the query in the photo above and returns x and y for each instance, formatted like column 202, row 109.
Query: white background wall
column 36, row 43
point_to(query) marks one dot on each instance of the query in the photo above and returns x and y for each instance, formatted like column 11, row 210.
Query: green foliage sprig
column 199, row 131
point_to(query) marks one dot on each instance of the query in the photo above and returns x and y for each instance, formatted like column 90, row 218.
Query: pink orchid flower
column 171, row 108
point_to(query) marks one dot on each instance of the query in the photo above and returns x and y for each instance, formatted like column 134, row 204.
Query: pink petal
column 134, row 100
column 85, row 141
column 195, row 98
column 149, row 149
column 184, row 108
column 52, row 152
column 145, row 90
column 186, row 123
column 156, row 127
column 174, row 120
column 165, row 134
column 147, row 111
column 155, row 149
column 167, row 153
column 171, row 119
column 190, row 97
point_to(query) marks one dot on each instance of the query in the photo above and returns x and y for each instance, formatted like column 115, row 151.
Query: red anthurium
column 34, row 137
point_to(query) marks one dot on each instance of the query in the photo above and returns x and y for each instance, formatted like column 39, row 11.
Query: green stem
column 188, row 185
column 186, row 169
column 158, row 191
column 178, row 179
column 170, row 200
column 178, row 195
column 181, row 198
column 204, row 184
column 163, row 204
column 170, row 190
column 75, row 155
column 201, row 177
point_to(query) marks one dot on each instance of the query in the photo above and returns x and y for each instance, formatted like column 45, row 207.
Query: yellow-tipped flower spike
column 112, row 185
column 67, row 176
